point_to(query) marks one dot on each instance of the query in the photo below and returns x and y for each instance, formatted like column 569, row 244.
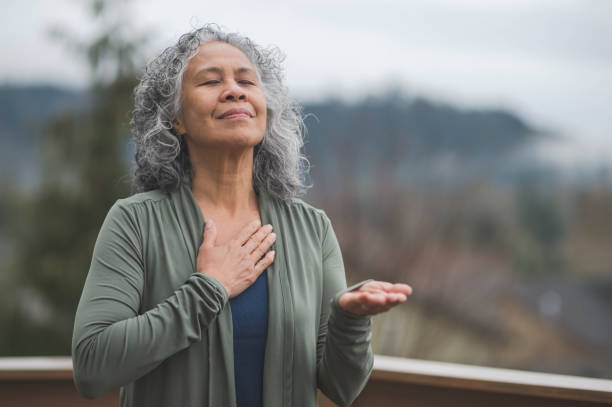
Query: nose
column 233, row 92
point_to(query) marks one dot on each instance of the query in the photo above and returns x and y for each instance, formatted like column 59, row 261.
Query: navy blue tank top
column 250, row 320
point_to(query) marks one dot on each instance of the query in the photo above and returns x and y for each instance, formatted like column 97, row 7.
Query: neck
column 223, row 180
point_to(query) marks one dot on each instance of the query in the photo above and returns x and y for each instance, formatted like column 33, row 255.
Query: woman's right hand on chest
column 239, row 262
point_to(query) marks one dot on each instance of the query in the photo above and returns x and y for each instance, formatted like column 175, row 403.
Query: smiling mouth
column 236, row 114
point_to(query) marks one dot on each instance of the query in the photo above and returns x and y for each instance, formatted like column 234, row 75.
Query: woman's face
column 223, row 105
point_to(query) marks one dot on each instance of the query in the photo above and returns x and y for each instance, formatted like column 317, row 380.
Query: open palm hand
column 374, row 297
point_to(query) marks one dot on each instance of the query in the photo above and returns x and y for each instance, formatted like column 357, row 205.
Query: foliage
column 83, row 172
column 540, row 218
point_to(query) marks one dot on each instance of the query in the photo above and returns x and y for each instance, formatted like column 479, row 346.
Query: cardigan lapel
column 189, row 218
column 278, row 361
column 219, row 335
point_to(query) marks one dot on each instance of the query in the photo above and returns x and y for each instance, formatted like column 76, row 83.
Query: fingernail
column 273, row 235
column 273, row 253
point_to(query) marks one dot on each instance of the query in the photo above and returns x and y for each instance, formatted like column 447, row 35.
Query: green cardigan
column 149, row 323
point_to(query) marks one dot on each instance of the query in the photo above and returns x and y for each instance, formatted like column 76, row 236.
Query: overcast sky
column 548, row 60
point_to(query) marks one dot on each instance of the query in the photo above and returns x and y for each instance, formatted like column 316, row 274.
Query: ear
column 177, row 127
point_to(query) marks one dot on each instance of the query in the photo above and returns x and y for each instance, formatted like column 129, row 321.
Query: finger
column 360, row 300
column 370, row 303
column 263, row 247
column 400, row 288
column 349, row 301
column 210, row 234
column 376, row 286
column 375, row 298
column 381, row 300
column 394, row 298
column 246, row 232
column 257, row 237
column 262, row 264
column 398, row 297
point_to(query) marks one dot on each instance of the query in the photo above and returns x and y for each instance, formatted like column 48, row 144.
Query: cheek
column 263, row 110
column 263, row 124
column 198, row 110
column 200, row 99
column 258, row 98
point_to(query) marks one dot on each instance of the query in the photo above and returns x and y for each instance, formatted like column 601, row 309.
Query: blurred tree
column 541, row 219
column 587, row 249
column 84, row 156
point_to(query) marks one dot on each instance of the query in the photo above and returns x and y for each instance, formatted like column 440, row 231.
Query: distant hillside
column 415, row 126
column 414, row 140
column 393, row 132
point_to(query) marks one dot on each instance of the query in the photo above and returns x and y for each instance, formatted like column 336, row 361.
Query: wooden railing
column 394, row 382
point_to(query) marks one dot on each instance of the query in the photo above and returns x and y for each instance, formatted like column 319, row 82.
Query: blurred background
column 464, row 147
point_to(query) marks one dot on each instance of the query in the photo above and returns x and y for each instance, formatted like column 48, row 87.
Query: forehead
column 218, row 54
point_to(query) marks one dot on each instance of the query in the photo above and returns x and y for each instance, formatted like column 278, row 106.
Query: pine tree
column 85, row 156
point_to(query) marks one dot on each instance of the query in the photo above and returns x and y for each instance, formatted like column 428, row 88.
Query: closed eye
column 246, row 82
column 213, row 82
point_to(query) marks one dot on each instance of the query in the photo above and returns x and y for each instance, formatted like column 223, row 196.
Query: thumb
column 210, row 234
column 348, row 300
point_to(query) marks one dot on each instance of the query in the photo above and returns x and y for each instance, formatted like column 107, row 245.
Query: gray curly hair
column 162, row 159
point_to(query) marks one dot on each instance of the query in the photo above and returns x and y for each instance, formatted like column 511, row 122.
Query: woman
column 185, row 304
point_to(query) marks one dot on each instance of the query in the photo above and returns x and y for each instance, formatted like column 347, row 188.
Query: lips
column 235, row 113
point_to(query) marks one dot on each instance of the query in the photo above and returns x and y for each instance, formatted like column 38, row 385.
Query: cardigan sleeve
column 344, row 354
column 112, row 344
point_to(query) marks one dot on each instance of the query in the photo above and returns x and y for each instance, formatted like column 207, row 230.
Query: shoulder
column 142, row 198
column 132, row 208
column 298, row 207
column 134, row 202
column 300, row 213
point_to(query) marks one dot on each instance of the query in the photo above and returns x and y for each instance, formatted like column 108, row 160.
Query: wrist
column 339, row 308
column 218, row 283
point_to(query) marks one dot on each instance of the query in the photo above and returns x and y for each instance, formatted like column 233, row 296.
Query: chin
column 243, row 140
